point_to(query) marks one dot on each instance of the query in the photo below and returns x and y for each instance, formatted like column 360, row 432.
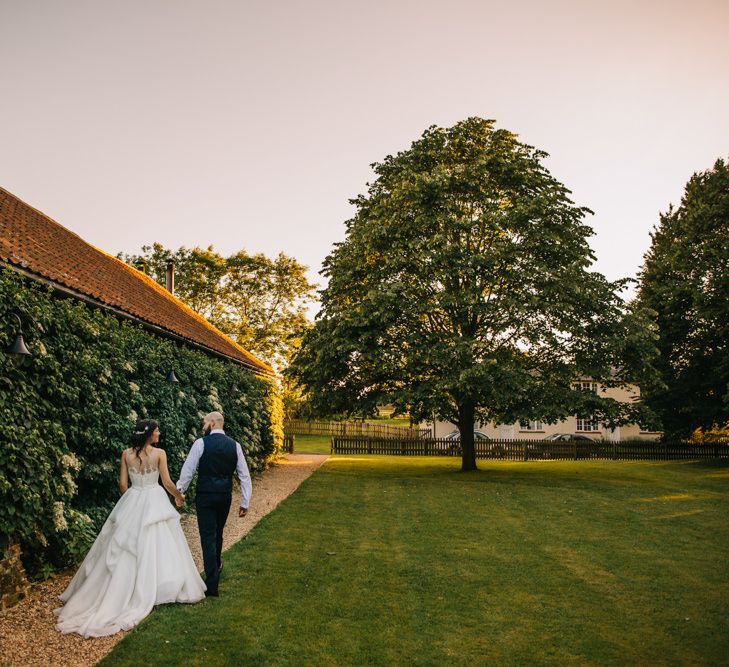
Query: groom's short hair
column 216, row 418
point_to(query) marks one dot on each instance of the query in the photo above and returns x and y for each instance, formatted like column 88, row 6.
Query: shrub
column 717, row 434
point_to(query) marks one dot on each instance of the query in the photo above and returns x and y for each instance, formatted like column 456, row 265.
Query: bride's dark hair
column 142, row 432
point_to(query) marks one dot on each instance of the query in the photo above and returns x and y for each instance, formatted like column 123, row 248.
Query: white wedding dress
column 140, row 559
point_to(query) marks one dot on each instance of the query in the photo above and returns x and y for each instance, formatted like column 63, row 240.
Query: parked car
column 578, row 446
column 569, row 437
column 452, row 443
column 477, row 435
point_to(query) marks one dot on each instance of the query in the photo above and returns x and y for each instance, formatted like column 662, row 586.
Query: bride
column 140, row 558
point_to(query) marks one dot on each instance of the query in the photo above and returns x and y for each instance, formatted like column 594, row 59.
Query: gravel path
column 27, row 631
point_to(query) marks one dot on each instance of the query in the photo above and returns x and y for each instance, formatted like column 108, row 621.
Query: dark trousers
column 212, row 513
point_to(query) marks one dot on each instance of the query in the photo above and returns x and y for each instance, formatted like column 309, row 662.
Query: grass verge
column 312, row 444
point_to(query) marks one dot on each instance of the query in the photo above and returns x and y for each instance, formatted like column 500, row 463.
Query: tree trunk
column 466, row 413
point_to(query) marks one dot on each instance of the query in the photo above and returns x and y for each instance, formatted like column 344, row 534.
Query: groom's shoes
column 211, row 594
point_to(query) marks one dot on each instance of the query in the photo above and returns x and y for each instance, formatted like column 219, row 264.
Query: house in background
column 576, row 425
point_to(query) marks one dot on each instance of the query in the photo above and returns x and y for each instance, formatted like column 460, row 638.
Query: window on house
column 530, row 425
column 587, row 424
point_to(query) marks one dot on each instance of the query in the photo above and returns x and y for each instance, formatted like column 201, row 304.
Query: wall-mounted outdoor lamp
column 234, row 389
column 171, row 377
column 18, row 348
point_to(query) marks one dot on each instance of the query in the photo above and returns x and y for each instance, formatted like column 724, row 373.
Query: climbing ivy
column 66, row 413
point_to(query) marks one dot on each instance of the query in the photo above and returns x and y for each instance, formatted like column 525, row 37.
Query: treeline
column 684, row 286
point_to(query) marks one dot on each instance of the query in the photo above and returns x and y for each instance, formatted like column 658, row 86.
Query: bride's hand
column 180, row 500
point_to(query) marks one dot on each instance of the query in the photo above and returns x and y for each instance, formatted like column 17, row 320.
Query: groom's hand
column 180, row 501
column 242, row 511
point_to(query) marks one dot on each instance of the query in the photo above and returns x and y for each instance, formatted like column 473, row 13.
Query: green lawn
column 312, row 444
column 389, row 561
column 392, row 421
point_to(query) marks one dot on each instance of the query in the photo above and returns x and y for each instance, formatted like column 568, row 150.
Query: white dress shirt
column 193, row 460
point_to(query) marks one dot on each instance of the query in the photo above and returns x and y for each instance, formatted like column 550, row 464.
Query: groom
column 217, row 457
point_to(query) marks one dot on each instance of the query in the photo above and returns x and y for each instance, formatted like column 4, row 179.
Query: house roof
column 38, row 245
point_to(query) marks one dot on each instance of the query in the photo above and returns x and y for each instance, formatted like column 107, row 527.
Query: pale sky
column 249, row 125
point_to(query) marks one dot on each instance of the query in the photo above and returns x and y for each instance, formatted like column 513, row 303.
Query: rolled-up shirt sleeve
column 241, row 469
column 191, row 464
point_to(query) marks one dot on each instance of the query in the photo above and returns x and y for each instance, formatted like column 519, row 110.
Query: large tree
column 463, row 291
column 258, row 301
column 685, row 283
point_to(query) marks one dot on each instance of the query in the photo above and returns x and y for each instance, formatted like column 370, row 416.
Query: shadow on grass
column 550, row 474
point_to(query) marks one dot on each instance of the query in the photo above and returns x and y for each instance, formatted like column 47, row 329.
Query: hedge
column 67, row 411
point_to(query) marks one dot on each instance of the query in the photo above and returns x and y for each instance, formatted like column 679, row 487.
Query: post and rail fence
column 530, row 450
column 353, row 428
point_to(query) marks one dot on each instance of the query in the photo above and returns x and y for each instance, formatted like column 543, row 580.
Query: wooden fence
column 529, row 450
column 360, row 429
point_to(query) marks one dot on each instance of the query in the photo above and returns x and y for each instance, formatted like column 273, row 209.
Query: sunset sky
column 248, row 124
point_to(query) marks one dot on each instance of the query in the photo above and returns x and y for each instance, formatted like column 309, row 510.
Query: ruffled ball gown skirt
column 140, row 559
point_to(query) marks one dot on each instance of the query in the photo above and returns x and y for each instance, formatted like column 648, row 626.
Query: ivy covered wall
column 67, row 411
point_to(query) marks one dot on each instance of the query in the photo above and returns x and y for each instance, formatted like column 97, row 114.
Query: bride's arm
column 165, row 477
column 123, row 474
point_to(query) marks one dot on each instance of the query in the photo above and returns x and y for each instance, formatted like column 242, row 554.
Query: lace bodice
column 144, row 473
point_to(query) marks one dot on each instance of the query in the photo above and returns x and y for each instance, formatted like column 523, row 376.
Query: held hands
column 242, row 512
column 180, row 500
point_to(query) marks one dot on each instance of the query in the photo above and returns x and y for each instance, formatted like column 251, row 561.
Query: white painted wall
column 628, row 394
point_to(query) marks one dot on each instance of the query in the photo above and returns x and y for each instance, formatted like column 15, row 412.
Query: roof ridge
column 49, row 219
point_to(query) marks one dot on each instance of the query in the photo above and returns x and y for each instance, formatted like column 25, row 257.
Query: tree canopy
column 462, row 291
column 258, row 301
column 684, row 282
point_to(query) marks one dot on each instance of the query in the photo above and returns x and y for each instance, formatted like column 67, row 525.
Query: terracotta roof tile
column 33, row 241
